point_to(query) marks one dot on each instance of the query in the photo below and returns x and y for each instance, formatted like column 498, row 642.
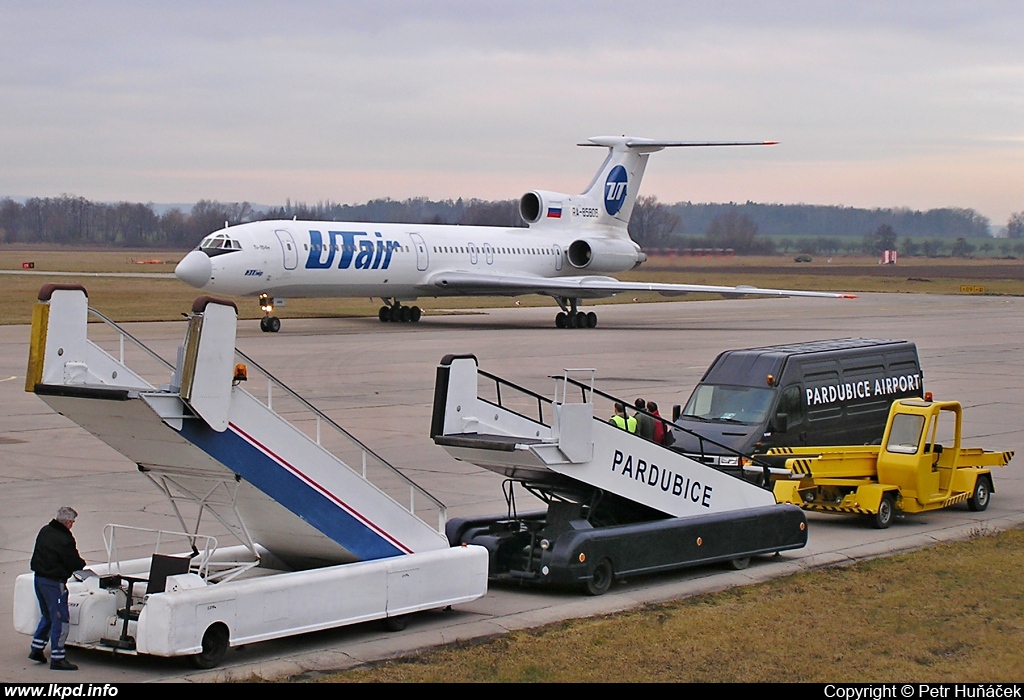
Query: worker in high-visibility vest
column 623, row 421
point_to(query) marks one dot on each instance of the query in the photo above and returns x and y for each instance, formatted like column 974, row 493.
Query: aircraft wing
column 591, row 287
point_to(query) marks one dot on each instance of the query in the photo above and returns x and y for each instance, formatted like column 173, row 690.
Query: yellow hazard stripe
column 801, row 466
column 835, row 509
column 953, row 500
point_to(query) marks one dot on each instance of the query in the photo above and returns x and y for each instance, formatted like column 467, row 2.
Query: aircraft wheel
column 265, row 324
column 560, row 321
column 886, row 509
column 405, row 315
column 274, row 324
column 416, row 313
column 581, row 319
column 570, row 320
column 215, row 646
column 395, row 314
column 601, row 579
column 384, row 314
column 981, row 496
column 591, row 319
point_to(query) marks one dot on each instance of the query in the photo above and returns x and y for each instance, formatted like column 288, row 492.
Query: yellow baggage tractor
column 912, row 471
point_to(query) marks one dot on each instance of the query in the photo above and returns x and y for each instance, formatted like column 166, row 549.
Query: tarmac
column 377, row 381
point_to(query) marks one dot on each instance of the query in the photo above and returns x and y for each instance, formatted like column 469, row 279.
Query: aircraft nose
column 194, row 269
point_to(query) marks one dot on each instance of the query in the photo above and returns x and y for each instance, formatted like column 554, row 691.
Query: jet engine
column 604, row 254
column 537, row 205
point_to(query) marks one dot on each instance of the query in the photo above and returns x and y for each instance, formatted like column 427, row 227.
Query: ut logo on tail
column 615, row 190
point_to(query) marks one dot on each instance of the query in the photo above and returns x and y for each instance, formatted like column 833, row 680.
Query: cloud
column 347, row 101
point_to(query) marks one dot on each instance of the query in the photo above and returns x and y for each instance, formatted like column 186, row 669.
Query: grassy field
column 949, row 613
column 141, row 299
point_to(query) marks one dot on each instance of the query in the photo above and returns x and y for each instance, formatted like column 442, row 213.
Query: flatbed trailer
column 617, row 505
column 912, row 471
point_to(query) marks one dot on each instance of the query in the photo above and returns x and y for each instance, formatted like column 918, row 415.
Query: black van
column 825, row 392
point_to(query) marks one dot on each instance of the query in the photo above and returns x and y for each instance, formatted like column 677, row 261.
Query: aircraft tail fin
column 617, row 184
column 611, row 195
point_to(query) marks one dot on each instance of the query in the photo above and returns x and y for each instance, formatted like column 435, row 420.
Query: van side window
column 792, row 404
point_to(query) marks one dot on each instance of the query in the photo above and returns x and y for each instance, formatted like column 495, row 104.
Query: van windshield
column 733, row 404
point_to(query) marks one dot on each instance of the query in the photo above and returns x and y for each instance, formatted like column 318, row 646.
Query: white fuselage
column 571, row 246
column 399, row 261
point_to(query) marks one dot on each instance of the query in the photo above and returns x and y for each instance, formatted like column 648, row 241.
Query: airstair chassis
column 192, row 618
column 592, row 557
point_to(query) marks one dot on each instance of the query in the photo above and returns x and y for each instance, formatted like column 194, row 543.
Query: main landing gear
column 396, row 313
column 571, row 317
column 269, row 323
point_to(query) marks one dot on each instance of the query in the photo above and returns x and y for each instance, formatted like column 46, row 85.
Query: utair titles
column 366, row 253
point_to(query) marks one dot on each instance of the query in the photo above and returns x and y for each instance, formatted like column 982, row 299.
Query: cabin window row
column 495, row 251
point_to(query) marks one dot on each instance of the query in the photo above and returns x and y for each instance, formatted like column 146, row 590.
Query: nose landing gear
column 269, row 323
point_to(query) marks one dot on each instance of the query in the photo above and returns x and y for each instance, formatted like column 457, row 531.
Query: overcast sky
column 876, row 104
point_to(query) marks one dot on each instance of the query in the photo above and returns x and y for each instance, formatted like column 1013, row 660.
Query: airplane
column 570, row 246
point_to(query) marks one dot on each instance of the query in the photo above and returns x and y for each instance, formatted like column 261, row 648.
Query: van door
column 791, row 405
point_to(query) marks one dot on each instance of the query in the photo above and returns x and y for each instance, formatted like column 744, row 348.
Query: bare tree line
column 72, row 220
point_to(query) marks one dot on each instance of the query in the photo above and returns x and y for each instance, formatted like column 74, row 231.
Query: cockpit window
column 219, row 243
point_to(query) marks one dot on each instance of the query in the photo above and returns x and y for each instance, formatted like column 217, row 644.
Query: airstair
column 617, row 504
column 217, row 431
column 553, row 443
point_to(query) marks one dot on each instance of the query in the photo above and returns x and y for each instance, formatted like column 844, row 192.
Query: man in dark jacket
column 54, row 559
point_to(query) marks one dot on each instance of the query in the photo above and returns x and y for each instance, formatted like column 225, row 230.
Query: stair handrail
column 321, row 416
column 667, row 423
column 125, row 334
column 500, row 381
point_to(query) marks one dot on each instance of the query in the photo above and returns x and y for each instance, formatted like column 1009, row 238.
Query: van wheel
column 981, row 496
column 739, row 564
column 396, row 623
column 215, row 646
column 886, row 509
column 601, row 579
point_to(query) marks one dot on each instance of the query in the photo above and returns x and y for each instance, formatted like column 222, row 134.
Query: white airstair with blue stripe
column 203, row 433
